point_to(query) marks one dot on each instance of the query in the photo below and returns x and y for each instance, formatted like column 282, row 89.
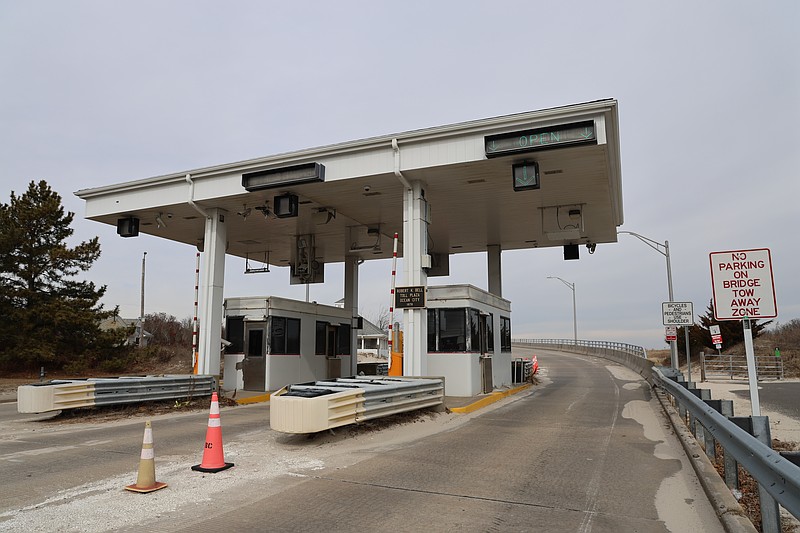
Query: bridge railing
column 584, row 346
column 632, row 356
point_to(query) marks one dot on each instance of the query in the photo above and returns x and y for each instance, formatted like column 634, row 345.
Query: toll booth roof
column 534, row 179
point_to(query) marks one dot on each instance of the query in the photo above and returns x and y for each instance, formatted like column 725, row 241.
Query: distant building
column 116, row 322
column 372, row 341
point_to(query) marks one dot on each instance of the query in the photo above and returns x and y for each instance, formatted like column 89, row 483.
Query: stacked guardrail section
column 321, row 405
column 57, row 395
column 712, row 422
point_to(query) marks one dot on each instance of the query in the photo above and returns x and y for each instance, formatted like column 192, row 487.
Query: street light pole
column 657, row 246
column 141, row 308
column 574, row 307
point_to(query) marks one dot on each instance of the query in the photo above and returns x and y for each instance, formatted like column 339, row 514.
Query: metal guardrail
column 774, row 473
column 321, row 405
column 63, row 394
column 727, row 365
column 584, row 346
column 521, row 370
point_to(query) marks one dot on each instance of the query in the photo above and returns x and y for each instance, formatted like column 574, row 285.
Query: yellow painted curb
column 493, row 397
column 253, row 399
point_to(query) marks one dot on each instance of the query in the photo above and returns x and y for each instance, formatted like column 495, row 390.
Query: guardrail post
column 697, row 428
column 725, row 407
column 758, row 427
column 770, row 515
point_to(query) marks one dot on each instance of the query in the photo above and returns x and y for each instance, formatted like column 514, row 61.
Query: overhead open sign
column 742, row 284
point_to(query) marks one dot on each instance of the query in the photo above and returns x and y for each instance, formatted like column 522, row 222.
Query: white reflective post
column 752, row 376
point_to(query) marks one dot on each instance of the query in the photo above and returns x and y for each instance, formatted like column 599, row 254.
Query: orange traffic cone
column 146, row 479
column 213, row 455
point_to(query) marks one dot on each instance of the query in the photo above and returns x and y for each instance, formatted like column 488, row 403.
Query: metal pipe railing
column 565, row 344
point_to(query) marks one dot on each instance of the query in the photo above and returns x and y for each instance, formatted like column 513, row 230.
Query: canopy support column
column 211, row 304
column 415, row 253
column 351, row 263
column 494, row 264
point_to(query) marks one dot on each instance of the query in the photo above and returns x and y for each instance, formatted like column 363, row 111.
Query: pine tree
column 51, row 318
column 731, row 330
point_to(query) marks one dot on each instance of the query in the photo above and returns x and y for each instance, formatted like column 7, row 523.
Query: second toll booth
column 277, row 341
column 469, row 339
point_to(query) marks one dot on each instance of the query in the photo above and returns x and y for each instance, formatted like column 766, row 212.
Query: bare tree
column 380, row 317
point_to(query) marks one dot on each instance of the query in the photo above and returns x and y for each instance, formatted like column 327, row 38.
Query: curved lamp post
column 663, row 249
column 574, row 309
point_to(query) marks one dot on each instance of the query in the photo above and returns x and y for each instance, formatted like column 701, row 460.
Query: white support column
column 494, row 269
column 214, row 244
column 415, row 247
column 351, row 263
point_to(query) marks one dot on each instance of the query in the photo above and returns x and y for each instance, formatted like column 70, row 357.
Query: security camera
column 591, row 247
column 366, row 188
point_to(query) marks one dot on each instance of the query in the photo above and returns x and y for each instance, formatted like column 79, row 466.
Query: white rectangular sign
column 677, row 313
column 742, row 284
column 671, row 333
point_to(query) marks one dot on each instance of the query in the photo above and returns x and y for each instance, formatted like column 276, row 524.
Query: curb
column 729, row 512
column 253, row 399
column 492, row 398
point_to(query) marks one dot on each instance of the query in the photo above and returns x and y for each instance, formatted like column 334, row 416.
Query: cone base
column 201, row 468
column 136, row 488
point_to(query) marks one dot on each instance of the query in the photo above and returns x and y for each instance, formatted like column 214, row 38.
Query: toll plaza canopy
column 536, row 179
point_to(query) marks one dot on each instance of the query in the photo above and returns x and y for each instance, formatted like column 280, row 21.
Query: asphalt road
column 588, row 450
column 562, row 459
column 777, row 396
column 41, row 458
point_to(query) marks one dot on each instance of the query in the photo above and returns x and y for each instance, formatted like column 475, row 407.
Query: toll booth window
column 452, row 330
column 284, row 336
column 343, row 340
column 431, row 330
column 505, row 334
column 321, row 337
column 474, row 330
column 490, row 333
column 293, row 336
column 234, row 333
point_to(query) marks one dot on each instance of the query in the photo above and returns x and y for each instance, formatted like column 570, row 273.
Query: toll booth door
column 254, row 365
column 487, row 383
column 332, row 360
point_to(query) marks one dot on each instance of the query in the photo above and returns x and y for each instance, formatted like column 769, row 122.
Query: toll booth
column 276, row 341
column 469, row 339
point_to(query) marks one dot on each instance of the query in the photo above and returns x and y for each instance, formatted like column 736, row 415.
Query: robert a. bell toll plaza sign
column 743, row 284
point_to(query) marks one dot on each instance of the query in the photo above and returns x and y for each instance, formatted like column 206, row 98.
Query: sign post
column 680, row 314
column 744, row 289
column 716, row 336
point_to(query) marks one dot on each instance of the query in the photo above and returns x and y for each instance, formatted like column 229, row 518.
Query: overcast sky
column 96, row 93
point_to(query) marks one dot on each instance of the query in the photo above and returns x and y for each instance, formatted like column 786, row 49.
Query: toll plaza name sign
column 409, row 297
column 742, row 284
